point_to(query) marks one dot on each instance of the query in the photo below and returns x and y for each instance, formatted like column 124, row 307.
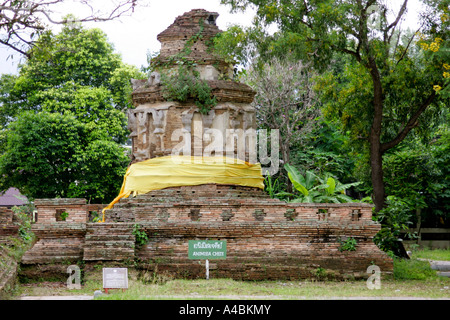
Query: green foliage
column 91, row 106
column 23, row 215
column 63, row 120
column 185, row 85
column 418, row 174
column 326, row 149
column 395, row 220
column 75, row 70
column 438, row 201
column 52, row 155
column 64, row 215
column 271, row 185
column 96, row 216
column 140, row 235
column 409, row 174
column 315, row 189
column 413, row 270
column 240, row 45
column 348, row 244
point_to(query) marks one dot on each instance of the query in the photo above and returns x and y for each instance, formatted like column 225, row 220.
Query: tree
column 74, row 71
column 285, row 100
column 54, row 155
column 63, row 118
column 24, row 21
column 392, row 88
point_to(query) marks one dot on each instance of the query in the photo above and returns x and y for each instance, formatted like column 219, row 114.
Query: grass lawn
column 435, row 254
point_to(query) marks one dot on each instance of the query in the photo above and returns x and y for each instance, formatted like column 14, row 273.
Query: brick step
column 110, row 244
column 115, row 254
column 106, row 237
column 30, row 259
column 109, row 241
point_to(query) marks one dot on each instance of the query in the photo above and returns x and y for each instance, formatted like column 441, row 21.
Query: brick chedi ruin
column 175, row 191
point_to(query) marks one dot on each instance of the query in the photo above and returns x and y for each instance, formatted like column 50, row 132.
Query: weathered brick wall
column 266, row 238
column 8, row 228
column 59, row 241
column 265, row 250
column 47, row 210
column 56, row 242
column 109, row 242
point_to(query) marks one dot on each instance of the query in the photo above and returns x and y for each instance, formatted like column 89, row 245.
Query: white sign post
column 115, row 278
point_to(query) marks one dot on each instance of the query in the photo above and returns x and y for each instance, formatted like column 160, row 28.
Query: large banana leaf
column 331, row 186
column 298, row 181
column 315, row 189
column 297, row 185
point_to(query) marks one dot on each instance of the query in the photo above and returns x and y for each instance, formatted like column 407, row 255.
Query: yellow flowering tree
column 434, row 43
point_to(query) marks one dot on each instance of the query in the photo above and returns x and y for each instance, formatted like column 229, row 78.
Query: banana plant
column 314, row 189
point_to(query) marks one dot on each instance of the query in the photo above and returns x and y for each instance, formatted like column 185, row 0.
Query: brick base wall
column 8, row 229
column 266, row 238
column 258, row 251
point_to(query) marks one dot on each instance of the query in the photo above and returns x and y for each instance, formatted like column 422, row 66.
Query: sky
column 133, row 36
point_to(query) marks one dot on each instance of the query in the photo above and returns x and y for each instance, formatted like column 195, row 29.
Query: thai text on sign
column 207, row 249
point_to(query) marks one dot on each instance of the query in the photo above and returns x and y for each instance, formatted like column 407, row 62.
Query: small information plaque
column 115, row 278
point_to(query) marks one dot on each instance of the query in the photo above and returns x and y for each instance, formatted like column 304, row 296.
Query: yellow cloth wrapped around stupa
column 177, row 171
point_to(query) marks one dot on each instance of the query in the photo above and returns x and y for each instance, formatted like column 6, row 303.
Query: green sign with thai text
column 207, row 249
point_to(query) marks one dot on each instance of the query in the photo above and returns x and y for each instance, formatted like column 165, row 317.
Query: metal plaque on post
column 115, row 278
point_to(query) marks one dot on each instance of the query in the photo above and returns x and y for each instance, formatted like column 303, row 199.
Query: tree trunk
column 376, row 165
column 376, row 153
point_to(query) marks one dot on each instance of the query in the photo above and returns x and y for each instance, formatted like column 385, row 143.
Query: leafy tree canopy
column 63, row 120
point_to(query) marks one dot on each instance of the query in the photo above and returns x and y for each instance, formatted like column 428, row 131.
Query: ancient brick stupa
column 157, row 125
column 194, row 176
column 188, row 142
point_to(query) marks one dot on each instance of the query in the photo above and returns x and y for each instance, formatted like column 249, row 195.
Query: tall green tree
column 54, row 155
column 390, row 86
column 285, row 101
column 63, row 64
column 63, row 120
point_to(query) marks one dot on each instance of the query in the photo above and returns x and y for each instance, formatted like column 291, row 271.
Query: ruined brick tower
column 159, row 126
